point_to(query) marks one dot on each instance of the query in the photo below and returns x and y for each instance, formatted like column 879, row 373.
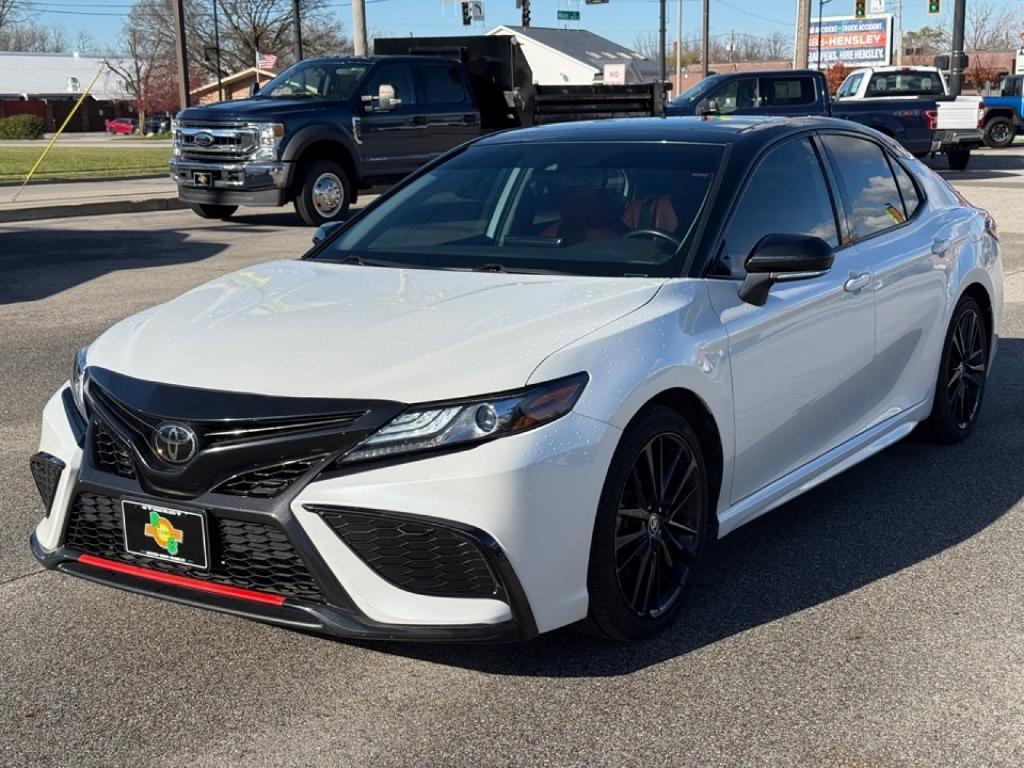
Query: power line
column 755, row 15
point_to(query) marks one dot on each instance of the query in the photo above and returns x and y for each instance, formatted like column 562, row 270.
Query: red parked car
column 122, row 125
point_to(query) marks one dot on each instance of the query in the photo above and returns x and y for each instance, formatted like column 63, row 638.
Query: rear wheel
column 999, row 132
column 651, row 528
column 324, row 193
column 958, row 159
column 214, row 211
column 962, row 374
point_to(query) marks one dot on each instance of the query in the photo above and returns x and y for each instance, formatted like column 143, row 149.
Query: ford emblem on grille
column 175, row 443
column 203, row 139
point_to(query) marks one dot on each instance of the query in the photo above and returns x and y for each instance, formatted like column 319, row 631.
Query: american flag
column 265, row 60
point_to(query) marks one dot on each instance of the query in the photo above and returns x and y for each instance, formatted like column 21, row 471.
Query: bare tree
column 146, row 48
column 11, row 12
column 33, row 37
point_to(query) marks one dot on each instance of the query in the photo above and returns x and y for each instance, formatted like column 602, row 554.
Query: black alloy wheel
column 651, row 528
column 999, row 132
column 962, row 374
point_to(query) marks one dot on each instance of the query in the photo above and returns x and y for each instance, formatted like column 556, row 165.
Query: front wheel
column 999, row 132
column 324, row 193
column 650, row 530
column 214, row 211
column 963, row 372
column 958, row 159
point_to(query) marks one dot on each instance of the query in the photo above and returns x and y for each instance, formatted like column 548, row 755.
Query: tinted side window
column 443, row 85
column 850, row 85
column 907, row 189
column 786, row 195
column 872, row 201
column 397, row 75
column 737, row 94
column 792, row 91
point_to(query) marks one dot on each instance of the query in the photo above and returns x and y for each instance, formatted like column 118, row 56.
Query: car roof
column 700, row 130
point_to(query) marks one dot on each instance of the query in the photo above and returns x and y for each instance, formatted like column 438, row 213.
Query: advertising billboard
column 852, row 41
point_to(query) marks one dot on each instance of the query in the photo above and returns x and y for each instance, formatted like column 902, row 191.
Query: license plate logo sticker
column 160, row 530
column 161, row 533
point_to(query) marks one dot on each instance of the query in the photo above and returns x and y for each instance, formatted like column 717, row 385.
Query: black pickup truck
column 325, row 128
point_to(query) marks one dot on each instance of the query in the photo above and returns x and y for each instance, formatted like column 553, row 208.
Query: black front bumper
column 233, row 183
column 291, row 613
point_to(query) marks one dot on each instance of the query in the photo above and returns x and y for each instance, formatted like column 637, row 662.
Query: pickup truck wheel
column 958, row 159
column 324, row 194
column 214, row 211
column 999, row 132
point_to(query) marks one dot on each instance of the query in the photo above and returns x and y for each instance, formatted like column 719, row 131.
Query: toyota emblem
column 175, row 443
column 203, row 139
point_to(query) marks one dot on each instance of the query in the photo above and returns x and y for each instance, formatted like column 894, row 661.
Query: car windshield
column 327, row 79
column 696, row 90
column 905, row 84
column 613, row 209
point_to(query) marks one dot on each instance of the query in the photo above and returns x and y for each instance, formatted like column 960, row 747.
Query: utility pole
column 803, row 34
column 705, row 44
column 181, row 51
column 359, row 27
column 216, row 45
column 956, row 61
column 662, row 53
column 296, row 30
column 679, row 46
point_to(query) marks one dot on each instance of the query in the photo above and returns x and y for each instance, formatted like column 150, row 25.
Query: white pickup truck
column 956, row 122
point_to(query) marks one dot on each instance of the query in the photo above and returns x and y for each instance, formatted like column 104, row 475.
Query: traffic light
column 526, row 13
column 859, row 10
column 467, row 16
column 934, row 6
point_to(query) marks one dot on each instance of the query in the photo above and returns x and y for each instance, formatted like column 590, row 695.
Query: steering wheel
column 654, row 233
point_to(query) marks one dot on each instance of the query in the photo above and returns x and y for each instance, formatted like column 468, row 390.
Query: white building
column 575, row 56
column 52, row 75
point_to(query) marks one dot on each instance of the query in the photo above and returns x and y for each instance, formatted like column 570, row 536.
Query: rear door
column 394, row 142
column 910, row 259
column 802, row 363
column 448, row 109
column 793, row 95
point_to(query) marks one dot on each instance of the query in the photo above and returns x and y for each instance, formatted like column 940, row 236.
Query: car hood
column 317, row 329
column 258, row 109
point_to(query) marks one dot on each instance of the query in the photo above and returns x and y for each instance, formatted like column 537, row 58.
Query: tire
column 622, row 543
column 967, row 339
column 324, row 193
column 999, row 132
column 214, row 211
column 958, row 159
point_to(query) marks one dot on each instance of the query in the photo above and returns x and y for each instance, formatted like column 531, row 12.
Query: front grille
column 226, row 141
column 110, row 454
column 242, row 553
column 417, row 557
column 267, row 482
column 46, row 471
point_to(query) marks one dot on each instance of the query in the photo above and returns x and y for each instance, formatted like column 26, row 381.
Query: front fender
column 313, row 134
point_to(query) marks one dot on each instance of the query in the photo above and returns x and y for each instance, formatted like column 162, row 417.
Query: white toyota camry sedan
column 530, row 385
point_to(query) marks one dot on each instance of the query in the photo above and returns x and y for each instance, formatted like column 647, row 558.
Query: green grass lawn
column 82, row 162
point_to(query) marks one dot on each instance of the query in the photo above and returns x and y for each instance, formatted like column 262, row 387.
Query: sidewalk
column 48, row 200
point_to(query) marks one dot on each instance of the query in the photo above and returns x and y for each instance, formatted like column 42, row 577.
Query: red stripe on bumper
column 182, row 581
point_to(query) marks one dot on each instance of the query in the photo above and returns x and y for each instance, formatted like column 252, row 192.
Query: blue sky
column 620, row 20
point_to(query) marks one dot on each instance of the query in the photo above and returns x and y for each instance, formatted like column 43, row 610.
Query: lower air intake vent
column 242, row 553
column 46, row 471
column 415, row 556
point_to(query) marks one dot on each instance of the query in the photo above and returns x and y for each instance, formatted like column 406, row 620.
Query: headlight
column 269, row 136
column 78, row 380
column 175, row 146
column 443, row 425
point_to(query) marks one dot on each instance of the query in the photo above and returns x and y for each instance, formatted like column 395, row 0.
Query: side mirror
column 386, row 100
column 783, row 258
column 324, row 231
column 707, row 107
column 254, row 89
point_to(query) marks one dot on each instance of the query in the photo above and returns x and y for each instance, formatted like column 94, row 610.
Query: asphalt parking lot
column 876, row 621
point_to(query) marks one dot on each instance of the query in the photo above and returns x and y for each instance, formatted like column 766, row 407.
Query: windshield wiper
column 493, row 267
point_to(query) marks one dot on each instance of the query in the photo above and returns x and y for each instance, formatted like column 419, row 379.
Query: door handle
column 941, row 246
column 857, row 282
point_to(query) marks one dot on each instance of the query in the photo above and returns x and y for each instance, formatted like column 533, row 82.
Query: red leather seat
column 652, row 212
column 586, row 215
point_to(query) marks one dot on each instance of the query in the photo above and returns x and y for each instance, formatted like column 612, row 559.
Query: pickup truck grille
column 215, row 141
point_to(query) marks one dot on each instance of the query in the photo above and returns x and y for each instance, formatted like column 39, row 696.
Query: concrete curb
column 99, row 208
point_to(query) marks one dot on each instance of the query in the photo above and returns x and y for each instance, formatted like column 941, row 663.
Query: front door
column 393, row 142
column 741, row 96
column 801, row 363
column 452, row 118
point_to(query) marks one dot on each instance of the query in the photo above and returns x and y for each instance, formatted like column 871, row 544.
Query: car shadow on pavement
column 913, row 501
column 36, row 263
column 996, row 164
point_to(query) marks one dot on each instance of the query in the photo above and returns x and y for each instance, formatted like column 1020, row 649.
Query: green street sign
column 568, row 15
